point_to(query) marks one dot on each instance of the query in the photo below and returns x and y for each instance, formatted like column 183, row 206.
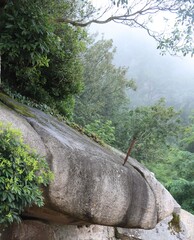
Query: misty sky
column 156, row 75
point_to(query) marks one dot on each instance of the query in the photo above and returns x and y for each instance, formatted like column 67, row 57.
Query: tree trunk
column 3, row 3
column 0, row 69
column 130, row 149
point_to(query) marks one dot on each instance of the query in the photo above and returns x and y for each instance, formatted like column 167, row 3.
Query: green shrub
column 105, row 131
column 22, row 172
column 40, row 57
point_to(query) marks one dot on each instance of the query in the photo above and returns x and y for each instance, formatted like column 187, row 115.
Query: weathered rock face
column 165, row 230
column 36, row 230
column 91, row 186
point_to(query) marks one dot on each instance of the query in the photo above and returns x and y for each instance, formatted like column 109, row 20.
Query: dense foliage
column 40, row 59
column 104, row 96
column 175, row 171
column 150, row 128
column 21, row 176
column 104, row 131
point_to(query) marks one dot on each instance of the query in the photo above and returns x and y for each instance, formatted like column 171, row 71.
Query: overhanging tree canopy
column 138, row 13
column 141, row 13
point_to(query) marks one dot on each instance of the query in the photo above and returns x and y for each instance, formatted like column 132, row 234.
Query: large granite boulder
column 90, row 186
column 165, row 230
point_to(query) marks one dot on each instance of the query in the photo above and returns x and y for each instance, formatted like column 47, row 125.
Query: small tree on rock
column 149, row 126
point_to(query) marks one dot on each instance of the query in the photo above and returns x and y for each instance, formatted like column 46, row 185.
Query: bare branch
column 134, row 10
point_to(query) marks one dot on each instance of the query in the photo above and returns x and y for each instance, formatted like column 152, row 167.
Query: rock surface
column 91, row 186
column 36, row 230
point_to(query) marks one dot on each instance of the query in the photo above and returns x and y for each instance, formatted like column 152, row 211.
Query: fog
column 156, row 76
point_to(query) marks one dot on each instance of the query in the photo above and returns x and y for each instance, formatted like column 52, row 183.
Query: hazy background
column 156, row 76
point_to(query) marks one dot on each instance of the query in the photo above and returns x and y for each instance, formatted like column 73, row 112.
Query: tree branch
column 131, row 13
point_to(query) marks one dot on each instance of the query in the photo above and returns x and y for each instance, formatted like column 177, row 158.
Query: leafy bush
column 104, row 131
column 175, row 171
column 40, row 58
column 183, row 191
column 151, row 128
column 182, row 186
column 22, row 172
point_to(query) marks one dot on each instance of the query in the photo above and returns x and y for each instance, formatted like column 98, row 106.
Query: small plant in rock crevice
column 174, row 224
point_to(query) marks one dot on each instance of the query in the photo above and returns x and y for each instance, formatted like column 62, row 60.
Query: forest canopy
column 177, row 37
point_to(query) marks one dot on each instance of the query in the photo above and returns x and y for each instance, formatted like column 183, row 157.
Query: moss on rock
column 19, row 108
column 174, row 224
